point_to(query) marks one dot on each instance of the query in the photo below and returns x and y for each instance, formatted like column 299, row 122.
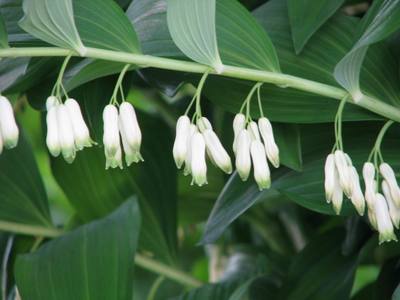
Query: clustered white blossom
column 9, row 131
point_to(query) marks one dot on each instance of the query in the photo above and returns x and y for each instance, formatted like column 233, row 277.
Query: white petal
column 51, row 101
column 239, row 123
column 337, row 196
column 115, row 160
column 394, row 211
column 111, row 139
column 343, row 171
column 368, row 172
column 52, row 139
column 130, row 124
column 267, row 134
column 252, row 128
column 65, row 133
column 357, row 197
column 198, row 159
column 217, row 151
column 388, row 173
column 203, row 124
column 81, row 131
column 243, row 158
column 329, row 171
column 180, row 145
column 260, row 165
column 131, row 155
column 188, row 158
column 384, row 222
column 8, row 126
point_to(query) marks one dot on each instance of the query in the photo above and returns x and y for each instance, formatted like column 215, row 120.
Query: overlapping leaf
column 94, row 261
column 384, row 22
column 52, row 21
column 307, row 16
column 192, row 27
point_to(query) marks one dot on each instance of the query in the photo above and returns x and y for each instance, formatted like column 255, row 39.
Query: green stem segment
column 375, row 105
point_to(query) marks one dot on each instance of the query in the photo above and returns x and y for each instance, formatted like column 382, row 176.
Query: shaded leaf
column 10, row 70
column 3, row 33
column 94, row 261
column 53, row 22
column 191, row 24
column 307, row 16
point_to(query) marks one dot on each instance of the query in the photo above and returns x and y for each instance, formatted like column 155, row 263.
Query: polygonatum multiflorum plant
column 199, row 149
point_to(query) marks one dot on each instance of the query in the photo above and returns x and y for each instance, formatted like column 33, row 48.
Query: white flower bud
column 188, row 169
column 51, row 101
column 130, row 124
column 385, row 226
column 8, row 126
column 388, row 173
column 330, row 173
column 243, row 158
column 394, row 211
column 267, row 134
column 357, row 197
column 203, row 124
column 131, row 155
column 239, row 123
column 180, row 145
column 343, row 171
column 65, row 133
column 111, row 140
column 52, row 139
column 217, row 151
column 337, row 196
column 198, row 159
column 370, row 185
column 260, row 165
column 252, row 128
column 80, row 130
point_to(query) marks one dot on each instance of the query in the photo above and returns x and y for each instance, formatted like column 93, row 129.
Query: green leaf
column 10, row 70
column 94, row 191
column 23, row 198
column 103, row 24
column 307, row 16
column 385, row 22
column 53, row 22
column 94, row 261
column 192, row 27
column 287, row 138
column 3, row 33
column 320, row 271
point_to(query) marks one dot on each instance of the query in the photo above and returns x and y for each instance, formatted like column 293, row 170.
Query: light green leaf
column 94, row 261
column 192, row 27
column 23, row 198
column 52, row 21
column 385, row 22
column 103, row 24
column 307, row 16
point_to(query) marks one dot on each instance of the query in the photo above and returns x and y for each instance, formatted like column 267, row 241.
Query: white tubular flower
column 80, row 130
column 343, row 171
column 8, row 126
column 239, row 123
column 267, row 134
column 372, row 219
column 370, row 186
column 260, row 165
column 394, row 211
column 243, row 158
column 65, row 133
column 111, row 140
column 131, row 155
column 52, row 139
column 188, row 159
column 330, row 174
column 357, row 197
column 51, row 101
column 198, row 159
column 180, row 145
column 383, row 220
column 252, row 128
column 337, row 196
column 388, row 173
column 130, row 125
column 203, row 124
column 217, row 151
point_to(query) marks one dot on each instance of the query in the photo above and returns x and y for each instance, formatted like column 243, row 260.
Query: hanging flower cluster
column 341, row 177
column 9, row 131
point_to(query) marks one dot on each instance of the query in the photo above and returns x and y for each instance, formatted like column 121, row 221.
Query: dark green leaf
column 23, row 198
column 3, row 33
column 10, row 70
column 103, row 24
column 52, row 22
column 307, row 16
column 94, row 261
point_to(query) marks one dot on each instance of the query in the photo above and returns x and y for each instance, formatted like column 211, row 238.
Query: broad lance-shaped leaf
column 52, row 21
column 192, row 27
column 95, row 261
column 307, row 16
column 385, row 22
